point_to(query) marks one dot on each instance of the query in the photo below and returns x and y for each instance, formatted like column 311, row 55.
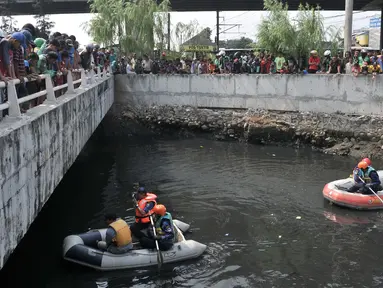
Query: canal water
column 259, row 210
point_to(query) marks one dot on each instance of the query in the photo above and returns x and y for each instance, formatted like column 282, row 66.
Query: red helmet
column 367, row 160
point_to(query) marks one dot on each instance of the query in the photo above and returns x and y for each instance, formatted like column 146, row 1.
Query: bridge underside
column 79, row 6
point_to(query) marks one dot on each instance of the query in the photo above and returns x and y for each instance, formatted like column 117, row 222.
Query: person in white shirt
column 129, row 67
column 194, row 67
column 147, row 64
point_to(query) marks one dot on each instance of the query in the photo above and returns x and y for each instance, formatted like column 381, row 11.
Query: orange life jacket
column 150, row 197
column 123, row 234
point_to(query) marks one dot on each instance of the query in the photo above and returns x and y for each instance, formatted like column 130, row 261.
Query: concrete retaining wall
column 37, row 150
column 313, row 93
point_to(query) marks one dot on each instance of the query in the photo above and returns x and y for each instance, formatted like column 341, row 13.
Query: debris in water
column 227, row 234
column 273, row 155
column 280, row 236
column 298, row 217
column 200, row 146
column 272, row 214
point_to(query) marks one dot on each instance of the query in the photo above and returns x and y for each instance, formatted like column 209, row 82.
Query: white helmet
column 327, row 53
column 2, row 34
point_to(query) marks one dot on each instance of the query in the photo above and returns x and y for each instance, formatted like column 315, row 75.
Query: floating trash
column 298, row 217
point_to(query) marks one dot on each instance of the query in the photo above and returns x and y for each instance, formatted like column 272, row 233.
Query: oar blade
column 159, row 259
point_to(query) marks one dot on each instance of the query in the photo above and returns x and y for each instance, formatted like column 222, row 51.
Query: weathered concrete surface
column 306, row 93
column 37, row 149
column 357, row 136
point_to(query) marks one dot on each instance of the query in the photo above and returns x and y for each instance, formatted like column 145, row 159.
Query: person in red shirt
column 314, row 62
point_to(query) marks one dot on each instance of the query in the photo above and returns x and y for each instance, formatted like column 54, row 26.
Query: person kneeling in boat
column 145, row 203
column 118, row 236
column 165, row 230
column 356, row 172
column 366, row 179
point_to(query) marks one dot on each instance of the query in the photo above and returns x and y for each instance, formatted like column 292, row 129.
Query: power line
column 239, row 15
column 342, row 15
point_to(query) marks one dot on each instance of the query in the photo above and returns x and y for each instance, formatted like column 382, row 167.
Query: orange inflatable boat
column 336, row 193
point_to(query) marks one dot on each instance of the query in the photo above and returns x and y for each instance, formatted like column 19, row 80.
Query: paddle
column 160, row 259
column 370, row 189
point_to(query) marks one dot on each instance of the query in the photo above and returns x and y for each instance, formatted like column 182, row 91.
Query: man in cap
column 118, row 238
column 8, row 46
column 19, row 57
column 144, row 203
column 70, row 48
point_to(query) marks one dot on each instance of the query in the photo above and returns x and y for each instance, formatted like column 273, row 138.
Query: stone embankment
column 340, row 134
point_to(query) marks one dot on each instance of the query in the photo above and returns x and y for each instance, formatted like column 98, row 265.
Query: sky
column 248, row 20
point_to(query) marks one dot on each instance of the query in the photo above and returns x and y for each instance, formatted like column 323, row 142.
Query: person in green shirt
column 45, row 63
column 279, row 61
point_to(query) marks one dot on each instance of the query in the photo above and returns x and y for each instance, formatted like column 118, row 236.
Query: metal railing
column 13, row 103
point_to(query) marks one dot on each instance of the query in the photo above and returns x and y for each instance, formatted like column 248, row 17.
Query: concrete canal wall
column 306, row 93
column 37, row 149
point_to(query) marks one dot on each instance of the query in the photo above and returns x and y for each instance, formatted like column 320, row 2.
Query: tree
column 279, row 33
column 276, row 33
column 240, row 43
column 160, row 35
column 44, row 25
column 8, row 23
column 43, row 22
column 136, row 25
column 186, row 31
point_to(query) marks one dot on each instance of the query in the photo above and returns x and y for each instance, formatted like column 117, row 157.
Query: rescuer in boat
column 369, row 176
column 356, row 173
column 165, row 230
column 144, row 204
column 118, row 236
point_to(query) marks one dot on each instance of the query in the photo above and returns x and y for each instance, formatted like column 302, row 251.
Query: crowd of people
column 250, row 62
column 25, row 57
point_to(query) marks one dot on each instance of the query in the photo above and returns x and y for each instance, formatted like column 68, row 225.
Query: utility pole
column 348, row 25
column 168, row 32
column 217, row 37
column 381, row 29
column 224, row 31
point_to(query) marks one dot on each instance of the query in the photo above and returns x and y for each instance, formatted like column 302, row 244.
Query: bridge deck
column 25, row 7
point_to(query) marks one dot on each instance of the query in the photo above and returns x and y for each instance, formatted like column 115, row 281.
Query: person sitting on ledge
column 368, row 179
column 118, row 236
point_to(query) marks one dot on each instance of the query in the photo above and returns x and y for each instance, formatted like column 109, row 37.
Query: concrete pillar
column 381, row 28
column 169, row 33
column 217, row 37
column 348, row 25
